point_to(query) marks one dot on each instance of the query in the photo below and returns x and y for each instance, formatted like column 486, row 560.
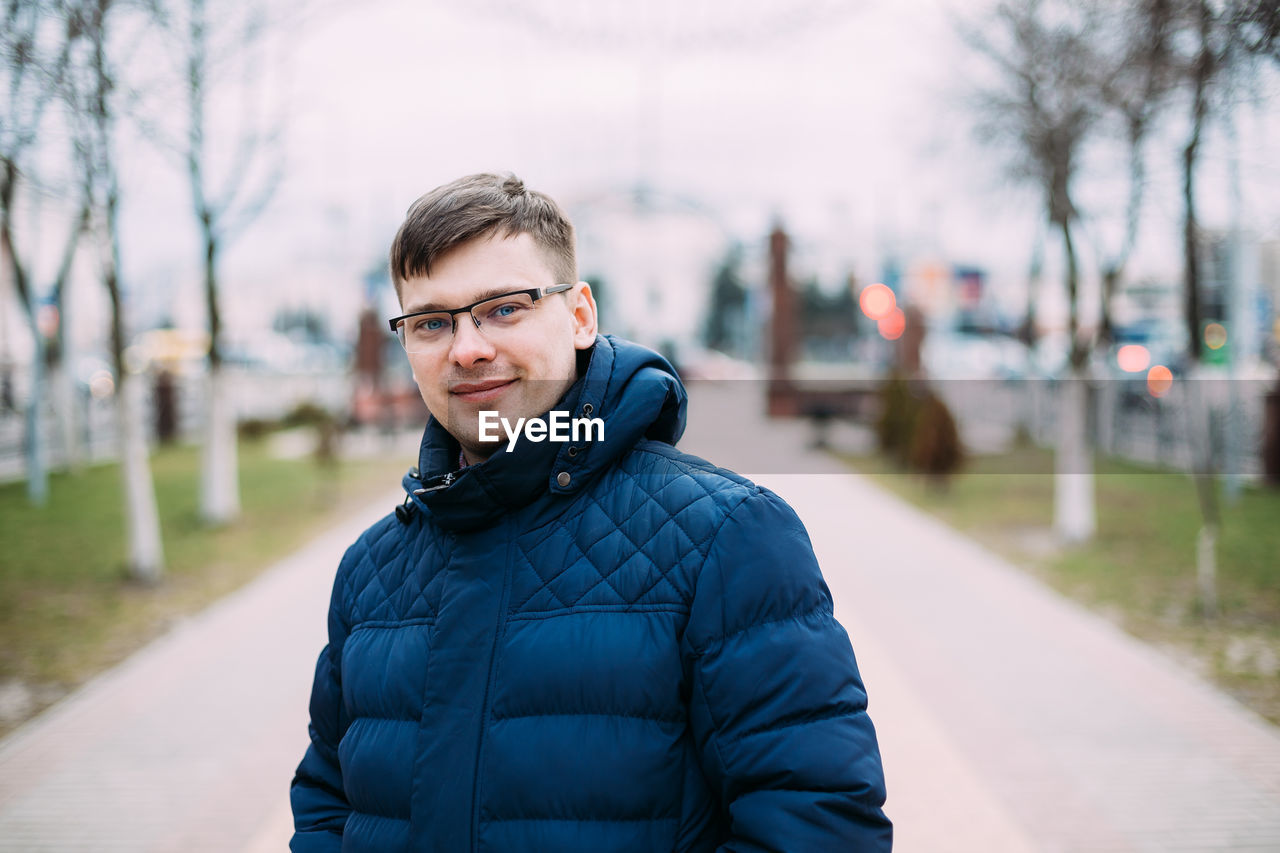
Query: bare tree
column 1222, row 41
column 1217, row 41
column 1142, row 74
column 61, row 381
column 223, row 203
column 94, row 91
column 35, row 54
column 1040, row 111
column 1256, row 24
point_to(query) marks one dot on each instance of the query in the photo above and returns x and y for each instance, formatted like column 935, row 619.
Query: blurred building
column 652, row 256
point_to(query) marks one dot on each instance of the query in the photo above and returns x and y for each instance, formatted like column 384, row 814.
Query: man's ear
column 583, row 307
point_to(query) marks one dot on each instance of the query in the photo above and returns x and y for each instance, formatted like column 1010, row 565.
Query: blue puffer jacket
column 638, row 657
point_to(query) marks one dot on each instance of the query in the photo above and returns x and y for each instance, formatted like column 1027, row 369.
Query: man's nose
column 469, row 345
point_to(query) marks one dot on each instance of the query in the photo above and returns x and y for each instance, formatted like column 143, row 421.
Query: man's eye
column 505, row 310
column 429, row 324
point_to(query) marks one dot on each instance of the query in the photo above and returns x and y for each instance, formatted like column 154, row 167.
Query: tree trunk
column 1200, row 407
column 33, row 439
column 220, row 474
column 1074, row 512
column 1028, row 331
column 146, row 554
column 145, row 557
column 36, row 451
column 220, row 478
column 60, row 353
column 1113, row 275
column 1203, row 70
column 1078, row 353
column 142, row 518
column 70, row 427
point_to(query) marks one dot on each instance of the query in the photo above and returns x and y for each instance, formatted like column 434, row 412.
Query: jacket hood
column 635, row 393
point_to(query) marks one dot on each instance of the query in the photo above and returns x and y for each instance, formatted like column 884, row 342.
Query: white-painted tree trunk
column 220, row 475
column 146, row 553
column 1074, row 506
column 70, row 428
column 1203, row 396
column 36, row 452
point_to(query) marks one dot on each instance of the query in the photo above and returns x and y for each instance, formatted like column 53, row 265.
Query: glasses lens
column 424, row 331
column 502, row 312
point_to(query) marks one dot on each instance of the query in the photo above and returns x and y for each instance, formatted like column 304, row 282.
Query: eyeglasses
column 427, row 330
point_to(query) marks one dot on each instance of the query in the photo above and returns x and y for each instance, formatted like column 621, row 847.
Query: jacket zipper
column 445, row 482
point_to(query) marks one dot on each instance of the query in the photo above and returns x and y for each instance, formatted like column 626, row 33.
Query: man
column 571, row 640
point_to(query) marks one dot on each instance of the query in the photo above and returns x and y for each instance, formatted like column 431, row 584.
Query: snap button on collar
column 563, row 478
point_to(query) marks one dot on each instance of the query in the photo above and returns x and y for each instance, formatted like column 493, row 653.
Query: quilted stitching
column 637, row 536
column 628, row 540
column 385, row 584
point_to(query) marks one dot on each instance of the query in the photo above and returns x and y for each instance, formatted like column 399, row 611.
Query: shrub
column 255, row 429
column 935, row 449
column 307, row 414
column 899, row 407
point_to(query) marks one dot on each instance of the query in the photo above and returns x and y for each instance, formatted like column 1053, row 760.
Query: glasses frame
column 535, row 293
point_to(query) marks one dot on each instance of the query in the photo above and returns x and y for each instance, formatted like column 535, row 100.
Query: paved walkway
column 190, row 744
column 1009, row 719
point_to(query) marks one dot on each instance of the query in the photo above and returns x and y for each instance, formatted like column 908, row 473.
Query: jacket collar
column 633, row 390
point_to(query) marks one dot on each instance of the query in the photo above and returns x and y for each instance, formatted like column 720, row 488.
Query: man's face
column 520, row 372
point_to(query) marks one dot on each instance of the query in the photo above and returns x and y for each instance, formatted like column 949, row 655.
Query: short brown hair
column 479, row 206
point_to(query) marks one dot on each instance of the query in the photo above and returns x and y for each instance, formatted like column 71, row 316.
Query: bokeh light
column 1159, row 380
column 1133, row 358
column 893, row 324
column 1215, row 336
column 877, row 302
column 101, row 385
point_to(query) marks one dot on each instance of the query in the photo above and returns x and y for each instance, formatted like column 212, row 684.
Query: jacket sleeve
column 320, row 807
column 777, row 708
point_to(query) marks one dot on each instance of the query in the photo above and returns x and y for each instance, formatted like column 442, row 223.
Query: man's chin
column 465, row 425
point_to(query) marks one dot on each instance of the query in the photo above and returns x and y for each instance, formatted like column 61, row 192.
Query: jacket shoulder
column 676, row 476
column 636, row 537
column 371, row 549
column 376, row 581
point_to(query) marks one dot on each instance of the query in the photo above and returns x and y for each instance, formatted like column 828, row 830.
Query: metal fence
column 1126, row 420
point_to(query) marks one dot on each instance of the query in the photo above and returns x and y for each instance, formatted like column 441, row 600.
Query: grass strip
column 68, row 610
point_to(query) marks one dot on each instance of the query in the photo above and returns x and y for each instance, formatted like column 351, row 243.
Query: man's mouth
column 479, row 392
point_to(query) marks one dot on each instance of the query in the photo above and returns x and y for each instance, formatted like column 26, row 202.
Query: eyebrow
column 480, row 297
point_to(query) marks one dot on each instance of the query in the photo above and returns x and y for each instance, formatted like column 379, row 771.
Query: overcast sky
column 843, row 120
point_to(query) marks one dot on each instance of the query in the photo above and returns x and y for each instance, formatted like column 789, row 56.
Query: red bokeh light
column 877, row 301
column 892, row 325
column 1133, row 358
column 1159, row 380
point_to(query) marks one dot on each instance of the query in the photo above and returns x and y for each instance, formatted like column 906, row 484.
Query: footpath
column 1009, row 718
